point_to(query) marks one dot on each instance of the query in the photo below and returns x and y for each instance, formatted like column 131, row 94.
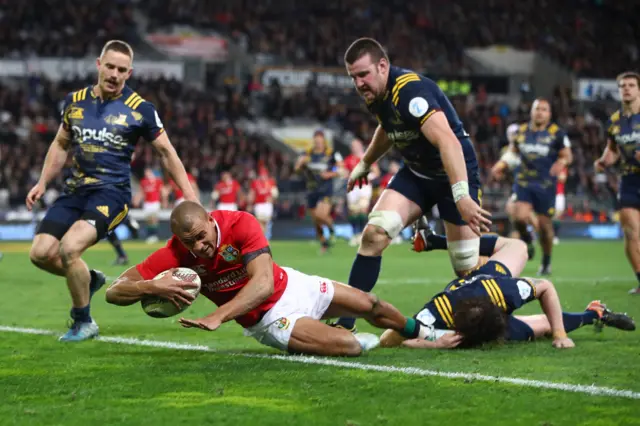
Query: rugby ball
column 158, row 307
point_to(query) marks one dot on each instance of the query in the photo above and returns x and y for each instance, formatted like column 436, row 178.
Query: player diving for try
column 478, row 308
column 623, row 141
column 543, row 152
column 100, row 126
column 440, row 165
column 280, row 307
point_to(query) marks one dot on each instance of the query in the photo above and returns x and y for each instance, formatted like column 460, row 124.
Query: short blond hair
column 117, row 46
column 628, row 74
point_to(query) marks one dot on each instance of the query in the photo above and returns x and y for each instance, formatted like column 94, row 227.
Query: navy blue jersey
column 411, row 99
column 538, row 151
column 104, row 135
column 625, row 132
column 493, row 280
column 324, row 161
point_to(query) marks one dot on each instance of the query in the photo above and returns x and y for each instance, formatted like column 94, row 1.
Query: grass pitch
column 237, row 381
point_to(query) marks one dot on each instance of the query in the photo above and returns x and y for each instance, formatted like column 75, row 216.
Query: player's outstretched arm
column 53, row 163
column 438, row 131
column 131, row 287
column 259, row 288
column 174, row 166
column 550, row 302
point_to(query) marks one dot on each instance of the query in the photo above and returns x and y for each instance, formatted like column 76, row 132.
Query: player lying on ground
column 479, row 307
column 280, row 307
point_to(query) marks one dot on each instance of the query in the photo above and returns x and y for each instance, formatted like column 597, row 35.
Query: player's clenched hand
column 476, row 217
column 173, row 290
column 207, row 323
column 563, row 343
column 599, row 166
column 557, row 168
column 359, row 175
column 35, row 194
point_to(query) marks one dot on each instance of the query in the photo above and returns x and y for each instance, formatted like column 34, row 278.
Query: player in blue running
column 440, row 165
column 623, row 141
column 101, row 125
column 540, row 153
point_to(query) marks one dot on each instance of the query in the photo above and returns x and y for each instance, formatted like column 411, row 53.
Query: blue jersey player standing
column 100, row 126
column 623, row 143
column 542, row 151
column 440, row 165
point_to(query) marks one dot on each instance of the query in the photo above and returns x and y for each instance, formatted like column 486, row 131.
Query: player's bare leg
column 545, row 229
column 321, row 215
column 313, row 337
column 391, row 214
column 78, row 238
column 522, row 215
column 152, row 229
column 45, row 254
column 630, row 220
column 463, row 247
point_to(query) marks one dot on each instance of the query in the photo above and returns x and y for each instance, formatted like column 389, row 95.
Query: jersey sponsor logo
column 283, row 323
column 405, row 135
column 136, row 116
column 323, row 287
column 229, row 253
column 524, row 289
column 90, row 180
column 542, row 150
column 104, row 210
column 76, row 113
column 418, row 107
column 633, row 137
column 120, row 120
column 102, row 135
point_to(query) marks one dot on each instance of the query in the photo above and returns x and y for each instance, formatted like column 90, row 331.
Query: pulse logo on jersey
column 542, row 150
column 405, row 135
column 418, row 107
column 628, row 138
column 83, row 135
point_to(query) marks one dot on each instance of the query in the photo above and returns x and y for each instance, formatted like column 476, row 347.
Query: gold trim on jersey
column 133, row 101
column 494, row 292
column 615, row 116
column 444, row 309
column 80, row 95
column 402, row 81
column 426, row 117
column 553, row 129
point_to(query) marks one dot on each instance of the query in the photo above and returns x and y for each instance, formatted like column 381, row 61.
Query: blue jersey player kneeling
column 440, row 165
column 101, row 125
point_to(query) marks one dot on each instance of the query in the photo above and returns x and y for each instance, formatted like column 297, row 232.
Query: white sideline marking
column 413, row 371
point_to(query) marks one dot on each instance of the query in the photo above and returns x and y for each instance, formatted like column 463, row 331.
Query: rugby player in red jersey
column 278, row 306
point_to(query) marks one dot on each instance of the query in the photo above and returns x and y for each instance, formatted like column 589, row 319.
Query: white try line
column 413, row 371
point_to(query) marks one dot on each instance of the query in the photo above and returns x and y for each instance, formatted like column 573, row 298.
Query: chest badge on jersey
column 76, row 113
column 120, row 120
column 229, row 253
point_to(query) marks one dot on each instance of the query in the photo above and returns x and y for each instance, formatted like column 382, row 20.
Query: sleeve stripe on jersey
column 396, row 89
column 496, row 293
column 490, row 292
column 133, row 101
column 442, row 310
column 429, row 114
column 80, row 95
column 499, row 291
column 533, row 287
column 448, row 306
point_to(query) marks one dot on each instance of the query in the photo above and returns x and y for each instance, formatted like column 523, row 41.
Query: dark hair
column 479, row 321
column 117, row 46
column 628, row 74
column 362, row 47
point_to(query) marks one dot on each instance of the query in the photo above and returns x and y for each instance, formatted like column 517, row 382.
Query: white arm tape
column 460, row 190
column 511, row 159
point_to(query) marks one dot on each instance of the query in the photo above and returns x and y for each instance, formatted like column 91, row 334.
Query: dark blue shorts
column 428, row 192
column 542, row 199
column 104, row 208
column 519, row 331
column 629, row 192
column 318, row 195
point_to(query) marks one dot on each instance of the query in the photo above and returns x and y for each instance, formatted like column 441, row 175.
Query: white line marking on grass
column 413, row 371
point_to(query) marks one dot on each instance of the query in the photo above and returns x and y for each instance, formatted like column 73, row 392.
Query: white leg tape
column 464, row 254
column 388, row 220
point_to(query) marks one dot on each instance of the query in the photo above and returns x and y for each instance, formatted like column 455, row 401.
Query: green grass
column 43, row 382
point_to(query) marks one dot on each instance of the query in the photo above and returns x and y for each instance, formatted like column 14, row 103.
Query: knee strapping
column 388, row 220
column 464, row 254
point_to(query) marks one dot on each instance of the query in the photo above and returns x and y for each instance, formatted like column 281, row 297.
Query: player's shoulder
column 132, row 100
column 554, row 129
column 615, row 117
column 407, row 83
column 523, row 127
column 79, row 95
